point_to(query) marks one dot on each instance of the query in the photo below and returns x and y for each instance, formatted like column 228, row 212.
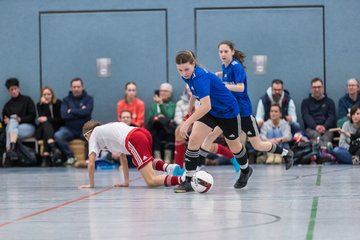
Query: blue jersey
column 234, row 74
column 203, row 83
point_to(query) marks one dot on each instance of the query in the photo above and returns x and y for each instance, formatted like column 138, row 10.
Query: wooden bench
column 78, row 146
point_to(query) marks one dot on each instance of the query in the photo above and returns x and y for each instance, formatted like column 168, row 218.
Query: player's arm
column 240, row 78
column 239, row 87
column 125, row 170
column 219, row 74
column 91, row 171
column 191, row 106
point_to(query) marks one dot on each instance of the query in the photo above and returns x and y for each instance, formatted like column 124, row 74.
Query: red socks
column 224, row 151
column 159, row 165
column 179, row 154
column 172, row 181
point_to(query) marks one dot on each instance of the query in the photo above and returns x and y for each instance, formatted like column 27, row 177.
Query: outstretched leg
column 250, row 127
column 210, row 146
column 153, row 180
column 192, row 155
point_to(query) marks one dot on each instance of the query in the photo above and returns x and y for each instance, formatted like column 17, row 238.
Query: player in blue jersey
column 234, row 77
column 218, row 107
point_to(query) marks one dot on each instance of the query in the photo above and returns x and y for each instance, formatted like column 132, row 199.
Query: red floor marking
column 60, row 205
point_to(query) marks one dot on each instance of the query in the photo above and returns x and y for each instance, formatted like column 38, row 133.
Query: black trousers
column 45, row 131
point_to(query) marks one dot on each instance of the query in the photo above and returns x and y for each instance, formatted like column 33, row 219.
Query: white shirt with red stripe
column 110, row 136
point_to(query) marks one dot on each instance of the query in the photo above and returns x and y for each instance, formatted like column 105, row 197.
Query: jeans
column 342, row 155
column 23, row 130
column 62, row 138
column 276, row 133
column 324, row 138
column 295, row 127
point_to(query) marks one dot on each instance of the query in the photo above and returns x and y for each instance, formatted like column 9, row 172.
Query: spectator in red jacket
column 133, row 104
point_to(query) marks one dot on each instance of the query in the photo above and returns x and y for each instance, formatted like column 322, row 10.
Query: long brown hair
column 126, row 86
column 185, row 57
column 238, row 55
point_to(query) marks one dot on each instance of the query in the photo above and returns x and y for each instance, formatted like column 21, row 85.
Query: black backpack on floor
column 26, row 155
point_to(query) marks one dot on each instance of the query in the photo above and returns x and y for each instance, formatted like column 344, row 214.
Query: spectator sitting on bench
column 318, row 113
column 133, row 104
column 161, row 122
column 76, row 109
column 18, row 117
column 48, row 109
column 351, row 98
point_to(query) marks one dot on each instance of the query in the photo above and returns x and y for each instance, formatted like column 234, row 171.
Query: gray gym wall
column 50, row 42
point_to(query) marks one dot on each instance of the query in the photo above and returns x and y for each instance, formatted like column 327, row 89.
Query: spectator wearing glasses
column 351, row 98
column 318, row 112
column 161, row 122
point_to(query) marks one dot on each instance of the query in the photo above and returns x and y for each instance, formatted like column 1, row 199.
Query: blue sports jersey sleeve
column 239, row 73
column 234, row 73
column 202, row 85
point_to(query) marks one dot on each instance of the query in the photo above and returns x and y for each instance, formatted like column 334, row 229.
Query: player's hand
column 158, row 99
column 121, row 185
column 86, row 186
column 184, row 130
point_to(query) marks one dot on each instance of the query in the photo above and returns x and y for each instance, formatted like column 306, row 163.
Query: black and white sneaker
column 289, row 160
column 184, row 187
column 243, row 179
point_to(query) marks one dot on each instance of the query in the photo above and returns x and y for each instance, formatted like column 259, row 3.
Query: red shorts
column 139, row 144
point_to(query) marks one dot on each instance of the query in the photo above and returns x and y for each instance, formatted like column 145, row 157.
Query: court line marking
column 314, row 207
column 61, row 205
column 311, row 225
column 318, row 178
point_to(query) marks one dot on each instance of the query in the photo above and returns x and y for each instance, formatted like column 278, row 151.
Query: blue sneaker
column 175, row 170
column 235, row 164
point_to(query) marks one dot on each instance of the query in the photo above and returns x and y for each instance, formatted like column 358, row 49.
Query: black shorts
column 230, row 127
column 249, row 126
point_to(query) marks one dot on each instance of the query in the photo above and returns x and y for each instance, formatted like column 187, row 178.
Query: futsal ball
column 202, row 182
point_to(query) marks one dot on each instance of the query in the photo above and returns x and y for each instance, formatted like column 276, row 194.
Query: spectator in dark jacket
column 351, row 98
column 18, row 116
column 76, row 109
column 49, row 119
column 318, row 112
column 276, row 94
